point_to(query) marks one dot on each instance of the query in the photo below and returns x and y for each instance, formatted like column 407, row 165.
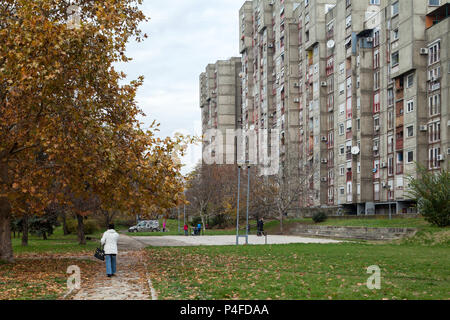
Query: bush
column 90, row 226
column 220, row 221
column 433, row 194
column 196, row 221
column 125, row 222
column 320, row 217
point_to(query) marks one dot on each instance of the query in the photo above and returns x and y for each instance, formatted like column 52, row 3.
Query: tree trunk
column 107, row 219
column 203, row 222
column 81, row 236
column 281, row 223
column 6, row 250
column 25, row 231
column 65, row 230
column 44, row 235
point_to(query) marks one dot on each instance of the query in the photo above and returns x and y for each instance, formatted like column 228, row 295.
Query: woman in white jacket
column 109, row 242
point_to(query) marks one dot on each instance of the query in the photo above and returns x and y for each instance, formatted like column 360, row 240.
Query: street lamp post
column 389, row 199
column 237, row 213
column 248, row 201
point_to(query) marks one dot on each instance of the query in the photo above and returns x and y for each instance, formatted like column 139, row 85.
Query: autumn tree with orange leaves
column 68, row 129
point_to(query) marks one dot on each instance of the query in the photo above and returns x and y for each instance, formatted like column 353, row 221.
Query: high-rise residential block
column 356, row 91
column 220, row 103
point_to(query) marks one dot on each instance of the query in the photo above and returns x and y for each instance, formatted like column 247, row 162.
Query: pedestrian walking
column 260, row 227
column 186, row 229
column 199, row 228
column 109, row 243
column 164, row 225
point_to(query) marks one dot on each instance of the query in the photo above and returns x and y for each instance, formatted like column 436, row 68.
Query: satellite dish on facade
column 355, row 151
column 330, row 44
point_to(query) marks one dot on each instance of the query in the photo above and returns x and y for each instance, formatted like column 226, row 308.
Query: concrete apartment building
column 357, row 90
column 220, row 103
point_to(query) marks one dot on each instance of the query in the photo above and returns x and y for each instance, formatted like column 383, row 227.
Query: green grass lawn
column 56, row 243
column 331, row 271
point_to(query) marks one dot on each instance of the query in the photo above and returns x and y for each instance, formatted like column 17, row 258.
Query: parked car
column 146, row 226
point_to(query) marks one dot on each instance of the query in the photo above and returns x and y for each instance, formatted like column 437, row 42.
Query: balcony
column 348, row 73
column 376, row 196
column 399, row 144
column 349, row 176
column 399, row 168
column 399, row 121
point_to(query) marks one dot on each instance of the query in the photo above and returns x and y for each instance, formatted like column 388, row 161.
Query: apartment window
column 358, row 189
column 342, row 88
column 375, row 2
column 306, row 18
column 376, row 147
column 330, row 66
column 342, row 109
column 434, row 53
column 376, row 38
column 410, row 106
column 341, row 129
column 376, row 80
column 434, row 74
column 399, row 162
column 390, row 95
column 395, row 8
column 330, row 194
column 394, row 34
column 349, row 125
column 434, row 154
column 330, row 85
column 376, row 191
column 410, row 157
column 376, row 59
column 330, row 138
column 348, row 21
column 358, row 124
column 341, row 171
column 358, row 167
column 342, row 191
column 376, row 102
column 349, row 87
column 341, row 149
column 341, row 68
column 376, row 124
column 390, row 145
column 390, row 119
column 410, row 81
column 410, row 131
column 434, row 132
column 434, row 2
column 434, row 104
column 391, row 166
column 307, row 35
column 395, row 59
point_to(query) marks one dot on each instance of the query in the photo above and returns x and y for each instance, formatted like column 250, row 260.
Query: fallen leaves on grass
column 41, row 277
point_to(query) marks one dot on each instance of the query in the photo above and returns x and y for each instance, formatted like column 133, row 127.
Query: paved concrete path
column 181, row 241
column 131, row 281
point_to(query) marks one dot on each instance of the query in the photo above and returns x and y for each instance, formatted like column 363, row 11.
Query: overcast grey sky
column 184, row 36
